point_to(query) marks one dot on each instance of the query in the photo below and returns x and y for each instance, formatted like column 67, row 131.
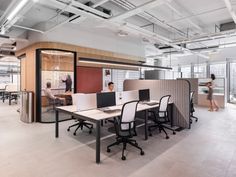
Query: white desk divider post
column 127, row 96
column 86, row 101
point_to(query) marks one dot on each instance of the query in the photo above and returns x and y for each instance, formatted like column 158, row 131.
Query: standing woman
column 68, row 83
column 213, row 103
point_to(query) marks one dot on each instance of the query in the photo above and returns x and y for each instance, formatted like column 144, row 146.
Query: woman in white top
column 213, row 104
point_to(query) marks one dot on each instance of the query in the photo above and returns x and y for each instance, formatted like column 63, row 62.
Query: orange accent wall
column 89, row 79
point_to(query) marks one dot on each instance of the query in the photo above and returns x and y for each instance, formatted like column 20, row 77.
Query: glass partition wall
column 56, row 73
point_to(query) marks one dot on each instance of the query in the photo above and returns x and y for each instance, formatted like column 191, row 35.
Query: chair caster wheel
column 174, row 133
column 123, row 158
column 196, row 120
column 108, row 150
column 142, row 153
column 68, row 129
column 150, row 134
column 90, row 131
column 74, row 134
column 167, row 137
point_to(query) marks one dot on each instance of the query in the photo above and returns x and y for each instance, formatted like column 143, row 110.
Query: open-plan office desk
column 96, row 116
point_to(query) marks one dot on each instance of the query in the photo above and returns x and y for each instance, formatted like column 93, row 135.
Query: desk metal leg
column 9, row 98
column 3, row 97
column 146, row 124
column 57, row 124
column 98, row 136
column 171, row 115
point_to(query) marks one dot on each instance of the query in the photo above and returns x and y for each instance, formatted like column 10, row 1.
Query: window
column 9, row 72
column 200, row 71
column 218, row 69
column 186, row 71
column 118, row 77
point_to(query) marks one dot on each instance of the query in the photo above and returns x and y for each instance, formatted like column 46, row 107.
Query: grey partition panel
column 193, row 87
column 179, row 91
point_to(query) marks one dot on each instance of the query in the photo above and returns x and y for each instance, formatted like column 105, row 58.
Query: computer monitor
column 144, row 95
column 106, row 99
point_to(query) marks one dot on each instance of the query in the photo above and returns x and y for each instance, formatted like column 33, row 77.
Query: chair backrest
column 191, row 102
column 164, row 103
column 128, row 115
column 191, row 96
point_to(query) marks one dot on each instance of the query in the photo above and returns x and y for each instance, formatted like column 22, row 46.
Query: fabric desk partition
column 179, row 91
column 193, row 87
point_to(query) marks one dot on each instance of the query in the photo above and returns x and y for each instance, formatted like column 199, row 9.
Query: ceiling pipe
column 27, row 28
column 126, row 27
column 99, row 3
column 207, row 37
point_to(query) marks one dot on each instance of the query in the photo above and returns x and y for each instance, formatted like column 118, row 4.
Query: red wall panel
column 89, row 79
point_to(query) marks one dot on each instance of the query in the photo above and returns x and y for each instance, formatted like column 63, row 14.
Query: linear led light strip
column 111, row 64
column 116, row 63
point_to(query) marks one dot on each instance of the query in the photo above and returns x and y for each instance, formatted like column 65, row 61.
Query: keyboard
column 151, row 103
column 109, row 110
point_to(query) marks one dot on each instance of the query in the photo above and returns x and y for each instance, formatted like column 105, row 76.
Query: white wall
column 94, row 38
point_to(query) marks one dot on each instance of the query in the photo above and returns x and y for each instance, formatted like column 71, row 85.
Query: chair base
column 193, row 117
column 80, row 125
column 151, row 128
column 125, row 141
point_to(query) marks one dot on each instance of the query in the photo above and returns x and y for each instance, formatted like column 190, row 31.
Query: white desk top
column 71, row 108
column 96, row 114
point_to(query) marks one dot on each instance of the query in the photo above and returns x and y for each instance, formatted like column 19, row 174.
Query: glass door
column 232, row 84
column 56, row 82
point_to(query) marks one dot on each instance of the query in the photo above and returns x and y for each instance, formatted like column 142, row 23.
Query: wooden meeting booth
column 51, row 62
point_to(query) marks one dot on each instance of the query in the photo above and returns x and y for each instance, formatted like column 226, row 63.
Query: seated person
column 111, row 87
column 48, row 94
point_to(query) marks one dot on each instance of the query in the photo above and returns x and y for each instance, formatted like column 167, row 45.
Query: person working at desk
column 68, row 83
column 111, row 87
column 50, row 96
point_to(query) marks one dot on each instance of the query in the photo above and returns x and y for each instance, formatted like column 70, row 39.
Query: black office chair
column 53, row 103
column 80, row 122
column 192, row 110
column 125, row 128
column 160, row 117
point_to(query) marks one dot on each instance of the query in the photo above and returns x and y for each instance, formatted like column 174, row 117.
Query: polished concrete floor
column 30, row 150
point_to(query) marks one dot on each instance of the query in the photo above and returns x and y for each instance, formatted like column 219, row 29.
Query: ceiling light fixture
column 117, row 63
column 17, row 9
column 227, row 45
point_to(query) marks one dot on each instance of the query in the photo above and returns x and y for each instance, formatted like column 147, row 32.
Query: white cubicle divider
column 2, row 86
column 11, row 87
column 179, row 91
column 84, row 101
column 126, row 96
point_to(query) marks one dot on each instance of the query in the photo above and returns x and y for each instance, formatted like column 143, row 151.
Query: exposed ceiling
column 165, row 26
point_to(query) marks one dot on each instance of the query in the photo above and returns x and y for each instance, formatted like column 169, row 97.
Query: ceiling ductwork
column 102, row 9
column 227, row 26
